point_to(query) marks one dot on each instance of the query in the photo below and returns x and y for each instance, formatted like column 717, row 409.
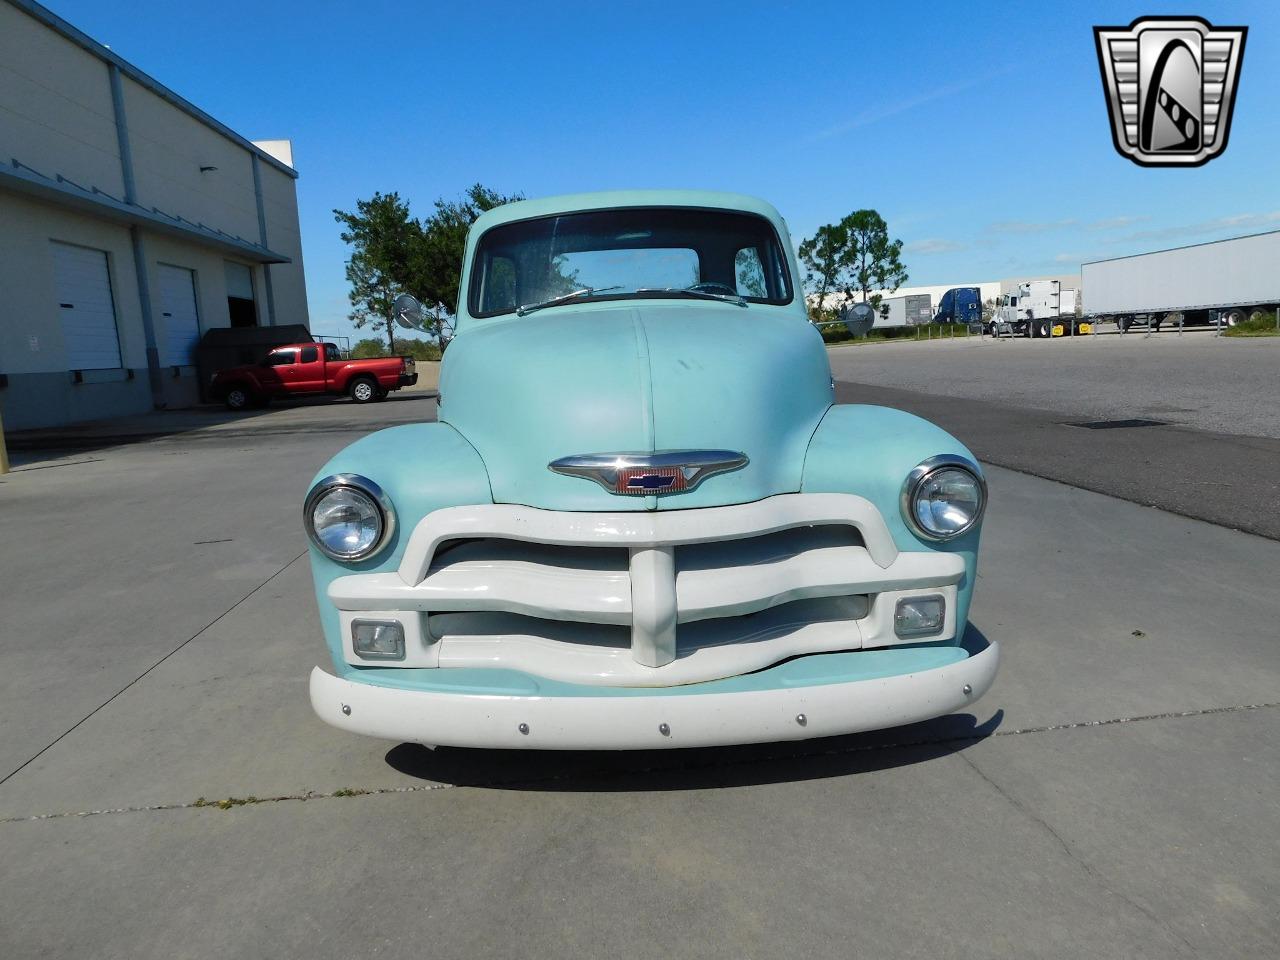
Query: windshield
column 628, row 254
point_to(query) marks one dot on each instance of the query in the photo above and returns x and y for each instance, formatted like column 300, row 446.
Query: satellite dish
column 858, row 319
column 407, row 312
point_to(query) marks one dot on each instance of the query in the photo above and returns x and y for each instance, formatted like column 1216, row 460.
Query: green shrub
column 1258, row 325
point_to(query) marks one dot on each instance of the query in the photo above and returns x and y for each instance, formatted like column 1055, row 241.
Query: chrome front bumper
column 794, row 709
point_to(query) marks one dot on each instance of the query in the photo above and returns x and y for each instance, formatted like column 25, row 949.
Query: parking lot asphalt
column 1190, row 424
column 166, row 792
column 1222, row 385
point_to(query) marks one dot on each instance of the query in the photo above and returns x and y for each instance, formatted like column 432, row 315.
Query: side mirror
column 858, row 319
column 407, row 312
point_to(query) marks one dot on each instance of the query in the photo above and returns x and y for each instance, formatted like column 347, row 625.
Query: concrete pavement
column 156, row 648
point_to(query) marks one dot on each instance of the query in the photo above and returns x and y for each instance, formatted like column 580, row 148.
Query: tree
column 825, row 256
column 395, row 253
column 435, row 263
column 854, row 254
column 382, row 236
column 875, row 260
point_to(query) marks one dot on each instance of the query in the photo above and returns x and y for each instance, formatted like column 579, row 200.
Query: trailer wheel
column 1234, row 317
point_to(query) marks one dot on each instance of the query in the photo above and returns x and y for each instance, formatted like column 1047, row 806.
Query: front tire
column 238, row 397
column 363, row 390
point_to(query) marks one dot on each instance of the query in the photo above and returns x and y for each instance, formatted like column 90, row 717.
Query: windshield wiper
column 528, row 308
column 694, row 292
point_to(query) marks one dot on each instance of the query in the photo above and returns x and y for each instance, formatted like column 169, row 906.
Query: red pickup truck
column 301, row 368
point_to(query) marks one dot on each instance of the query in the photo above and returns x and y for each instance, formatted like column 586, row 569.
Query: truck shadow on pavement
column 698, row 768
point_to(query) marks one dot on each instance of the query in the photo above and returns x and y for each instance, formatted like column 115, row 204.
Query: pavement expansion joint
column 39, row 753
column 229, row 803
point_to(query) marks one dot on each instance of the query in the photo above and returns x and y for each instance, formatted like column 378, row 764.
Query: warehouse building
column 131, row 222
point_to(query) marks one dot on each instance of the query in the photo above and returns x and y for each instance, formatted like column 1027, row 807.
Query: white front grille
column 647, row 599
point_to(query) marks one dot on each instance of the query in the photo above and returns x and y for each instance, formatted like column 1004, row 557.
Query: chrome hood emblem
column 649, row 474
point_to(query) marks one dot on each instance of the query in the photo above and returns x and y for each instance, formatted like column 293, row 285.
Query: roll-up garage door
column 181, row 322
column 85, row 308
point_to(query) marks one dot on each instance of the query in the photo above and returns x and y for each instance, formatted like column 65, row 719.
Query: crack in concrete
column 1088, row 869
column 228, row 803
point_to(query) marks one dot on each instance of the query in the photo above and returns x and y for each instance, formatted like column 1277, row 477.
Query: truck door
column 310, row 370
column 280, row 373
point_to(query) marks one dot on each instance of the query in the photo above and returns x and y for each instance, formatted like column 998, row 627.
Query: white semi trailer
column 907, row 311
column 1226, row 280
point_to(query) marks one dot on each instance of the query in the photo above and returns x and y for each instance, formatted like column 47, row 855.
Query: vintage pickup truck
column 641, row 520
column 297, row 369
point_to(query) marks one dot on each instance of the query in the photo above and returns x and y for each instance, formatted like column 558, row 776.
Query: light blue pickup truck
column 641, row 520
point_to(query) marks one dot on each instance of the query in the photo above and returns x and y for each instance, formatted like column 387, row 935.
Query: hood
column 637, row 377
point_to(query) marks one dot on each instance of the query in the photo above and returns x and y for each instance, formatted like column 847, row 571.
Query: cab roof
column 577, row 202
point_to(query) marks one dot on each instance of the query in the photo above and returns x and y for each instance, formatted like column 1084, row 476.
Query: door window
column 310, row 354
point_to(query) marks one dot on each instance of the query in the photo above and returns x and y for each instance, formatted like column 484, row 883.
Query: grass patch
column 1256, row 326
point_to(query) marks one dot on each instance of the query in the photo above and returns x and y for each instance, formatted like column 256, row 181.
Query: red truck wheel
column 238, row 397
column 363, row 390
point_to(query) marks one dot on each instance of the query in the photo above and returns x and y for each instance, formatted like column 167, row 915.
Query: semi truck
column 907, row 311
column 960, row 305
column 1225, row 281
column 1037, row 308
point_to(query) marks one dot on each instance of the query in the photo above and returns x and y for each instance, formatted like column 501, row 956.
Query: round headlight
column 944, row 497
column 348, row 517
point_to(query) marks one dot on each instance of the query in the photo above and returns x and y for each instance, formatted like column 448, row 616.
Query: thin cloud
column 876, row 114
column 1028, row 226
column 1116, row 223
column 1236, row 222
column 933, row 245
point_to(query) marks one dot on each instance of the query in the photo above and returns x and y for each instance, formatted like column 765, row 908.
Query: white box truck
column 1037, row 308
column 1227, row 279
column 907, row 311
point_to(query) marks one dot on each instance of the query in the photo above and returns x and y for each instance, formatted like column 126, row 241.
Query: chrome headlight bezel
column 921, row 474
column 364, row 487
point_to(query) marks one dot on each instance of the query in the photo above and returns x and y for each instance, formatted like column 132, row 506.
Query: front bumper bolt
column 967, row 689
column 664, row 729
column 801, row 719
column 346, row 709
column 523, row 728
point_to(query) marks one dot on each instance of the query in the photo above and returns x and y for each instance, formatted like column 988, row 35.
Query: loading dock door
column 86, row 310
column 181, row 322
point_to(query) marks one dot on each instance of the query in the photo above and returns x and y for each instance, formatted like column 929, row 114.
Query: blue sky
column 978, row 131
